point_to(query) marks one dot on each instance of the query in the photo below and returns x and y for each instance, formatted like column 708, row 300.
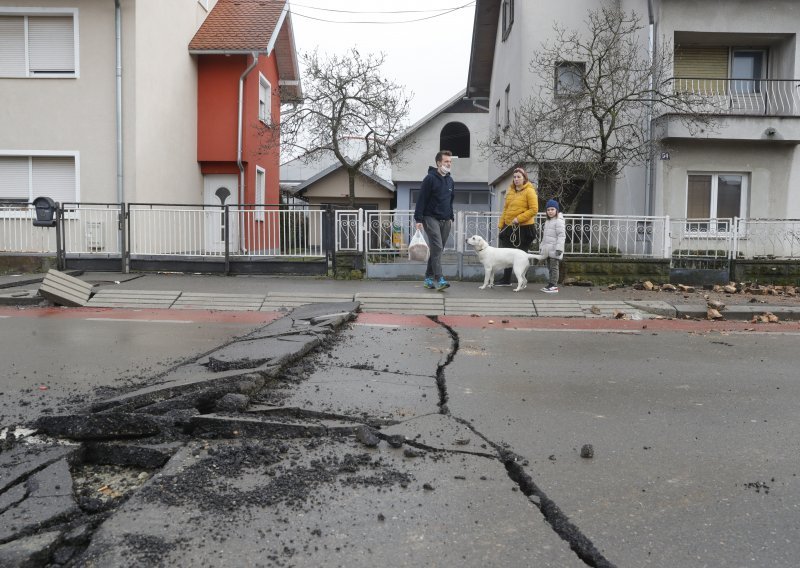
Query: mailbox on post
column 45, row 212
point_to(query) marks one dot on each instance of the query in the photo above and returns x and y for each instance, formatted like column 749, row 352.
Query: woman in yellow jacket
column 517, row 221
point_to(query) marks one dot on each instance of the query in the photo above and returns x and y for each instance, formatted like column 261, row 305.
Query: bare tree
column 591, row 117
column 348, row 111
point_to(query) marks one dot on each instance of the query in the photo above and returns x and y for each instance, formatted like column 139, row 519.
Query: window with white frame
column 24, row 178
column 569, row 77
column 507, row 17
column 38, row 42
column 264, row 100
column 716, row 196
column 261, row 192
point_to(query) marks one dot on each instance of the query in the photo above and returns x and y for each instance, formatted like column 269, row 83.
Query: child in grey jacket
column 552, row 248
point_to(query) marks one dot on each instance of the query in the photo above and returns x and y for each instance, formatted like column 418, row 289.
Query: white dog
column 494, row 259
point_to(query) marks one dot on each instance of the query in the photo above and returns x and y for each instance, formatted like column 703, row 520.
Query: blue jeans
column 437, row 232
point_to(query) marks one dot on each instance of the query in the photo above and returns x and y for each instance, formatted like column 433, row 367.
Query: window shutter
column 12, row 46
column 709, row 62
column 54, row 177
column 52, row 44
column 14, row 178
column 702, row 62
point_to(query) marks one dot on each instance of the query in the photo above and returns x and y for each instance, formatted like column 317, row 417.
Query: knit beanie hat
column 552, row 203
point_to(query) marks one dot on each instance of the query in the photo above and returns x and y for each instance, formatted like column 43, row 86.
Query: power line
column 293, row 4
column 306, row 16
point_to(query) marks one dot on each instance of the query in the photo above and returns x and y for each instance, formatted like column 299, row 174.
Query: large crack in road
column 555, row 517
column 189, row 442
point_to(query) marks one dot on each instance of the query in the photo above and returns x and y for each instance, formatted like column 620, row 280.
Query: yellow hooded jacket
column 522, row 204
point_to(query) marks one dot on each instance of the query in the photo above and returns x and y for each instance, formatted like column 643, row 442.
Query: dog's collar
column 484, row 246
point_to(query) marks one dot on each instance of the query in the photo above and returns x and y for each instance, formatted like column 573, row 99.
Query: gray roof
column 301, row 187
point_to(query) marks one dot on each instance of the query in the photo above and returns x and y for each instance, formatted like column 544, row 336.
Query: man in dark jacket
column 434, row 212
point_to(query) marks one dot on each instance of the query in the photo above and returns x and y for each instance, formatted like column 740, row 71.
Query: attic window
column 455, row 137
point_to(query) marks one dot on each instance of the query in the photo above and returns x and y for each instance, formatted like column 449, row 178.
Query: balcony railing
column 772, row 97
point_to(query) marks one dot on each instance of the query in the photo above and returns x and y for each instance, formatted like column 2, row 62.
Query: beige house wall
column 78, row 115
column 768, row 169
column 70, row 114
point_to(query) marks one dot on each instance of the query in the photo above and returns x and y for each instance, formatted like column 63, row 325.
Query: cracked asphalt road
column 693, row 434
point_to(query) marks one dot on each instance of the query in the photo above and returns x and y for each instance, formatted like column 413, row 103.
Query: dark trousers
column 437, row 231
column 518, row 237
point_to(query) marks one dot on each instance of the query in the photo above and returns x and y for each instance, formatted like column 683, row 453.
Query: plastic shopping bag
column 418, row 249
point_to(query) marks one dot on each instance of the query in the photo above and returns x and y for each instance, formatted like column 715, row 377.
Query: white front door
column 220, row 189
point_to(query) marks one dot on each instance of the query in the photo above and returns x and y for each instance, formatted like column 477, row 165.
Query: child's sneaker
column 428, row 284
column 442, row 284
column 550, row 289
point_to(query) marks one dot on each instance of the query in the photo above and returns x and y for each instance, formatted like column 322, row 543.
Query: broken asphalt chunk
column 98, row 426
column 33, row 550
column 49, row 499
column 367, row 436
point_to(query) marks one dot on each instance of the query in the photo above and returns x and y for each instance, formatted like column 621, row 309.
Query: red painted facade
column 217, row 121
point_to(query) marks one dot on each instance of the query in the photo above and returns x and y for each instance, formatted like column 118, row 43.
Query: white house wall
column 414, row 161
column 533, row 26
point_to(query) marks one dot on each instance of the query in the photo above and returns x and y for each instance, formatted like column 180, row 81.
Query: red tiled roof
column 238, row 25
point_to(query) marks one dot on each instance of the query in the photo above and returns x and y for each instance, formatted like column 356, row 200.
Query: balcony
column 746, row 109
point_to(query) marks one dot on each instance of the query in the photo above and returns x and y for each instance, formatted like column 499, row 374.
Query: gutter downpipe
column 239, row 135
column 118, row 97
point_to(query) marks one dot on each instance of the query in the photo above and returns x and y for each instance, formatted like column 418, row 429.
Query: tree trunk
column 351, row 182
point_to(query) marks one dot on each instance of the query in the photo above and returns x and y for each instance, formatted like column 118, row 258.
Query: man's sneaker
column 550, row 289
column 442, row 284
column 429, row 284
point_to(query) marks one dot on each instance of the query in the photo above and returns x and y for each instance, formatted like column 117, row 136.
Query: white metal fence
column 18, row 235
column 776, row 97
column 388, row 232
column 251, row 231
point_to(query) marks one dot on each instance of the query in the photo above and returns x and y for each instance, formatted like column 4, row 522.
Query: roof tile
column 238, row 25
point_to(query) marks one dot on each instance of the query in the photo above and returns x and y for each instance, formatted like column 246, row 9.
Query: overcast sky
column 427, row 42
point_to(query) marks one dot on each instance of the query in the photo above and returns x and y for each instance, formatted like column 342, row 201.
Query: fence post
column 330, row 227
column 61, row 256
column 667, row 252
column 458, row 235
column 227, row 213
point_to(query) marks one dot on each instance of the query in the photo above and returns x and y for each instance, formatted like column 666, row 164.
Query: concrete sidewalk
column 274, row 293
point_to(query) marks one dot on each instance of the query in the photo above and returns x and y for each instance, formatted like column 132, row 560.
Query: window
column 455, row 137
column 712, row 196
column 261, row 181
column 747, row 67
column 569, row 77
column 497, row 122
column 24, row 178
column 507, row 121
column 44, row 44
column 264, row 100
column 507, row 16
